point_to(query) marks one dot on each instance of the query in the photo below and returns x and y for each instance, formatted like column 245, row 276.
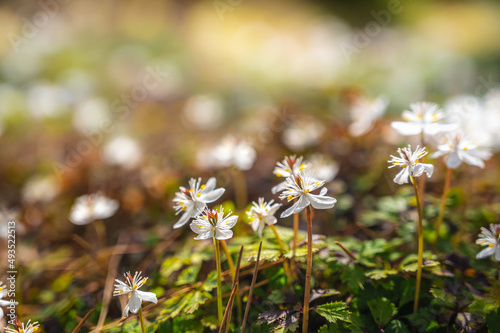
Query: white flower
column 491, row 238
column 422, row 117
column 212, row 222
column 6, row 216
column 91, row 114
column 234, row 152
column 299, row 187
column 92, row 207
column 131, row 287
column 122, row 151
column 21, row 328
column 3, row 293
column 302, row 133
column 410, row 162
column 458, row 149
column 195, row 199
column 40, row 189
column 290, row 166
column 204, row 111
column 323, row 167
column 364, row 111
column 262, row 213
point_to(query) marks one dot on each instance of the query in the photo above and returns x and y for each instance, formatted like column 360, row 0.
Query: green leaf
column 170, row 265
column 334, row 311
column 382, row 310
column 188, row 275
column 396, row 326
column 211, row 282
column 493, row 321
column 380, row 274
column 199, row 298
column 354, row 277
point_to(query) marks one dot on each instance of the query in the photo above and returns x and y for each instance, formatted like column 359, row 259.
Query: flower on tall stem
column 290, row 166
column 191, row 201
column 21, row 328
column 423, row 117
column 212, row 224
column 491, row 239
column 411, row 168
column 300, row 187
column 92, row 207
column 131, row 287
column 458, row 149
column 261, row 214
column 410, row 164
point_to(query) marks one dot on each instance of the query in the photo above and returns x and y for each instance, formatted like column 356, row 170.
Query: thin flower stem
column 443, row 204
column 230, row 262
column 282, row 249
column 141, row 320
column 307, row 290
column 294, row 242
column 420, row 244
column 80, row 324
column 220, row 309
column 100, row 231
column 250, row 293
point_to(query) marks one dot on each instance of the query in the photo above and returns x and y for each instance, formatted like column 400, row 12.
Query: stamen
column 202, row 187
column 184, row 207
column 198, row 194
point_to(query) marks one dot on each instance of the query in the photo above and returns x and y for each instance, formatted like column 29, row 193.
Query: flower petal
column 472, row 160
column 228, row 222
column 134, row 303
column 207, row 235
column 125, row 311
column 223, row 234
column 321, row 201
column 147, row 296
column 497, row 252
column 210, row 185
column 208, row 197
column 405, row 128
column 296, row 207
column 184, row 218
column 105, row 207
column 278, row 188
column 485, row 253
column 453, row 161
column 402, row 177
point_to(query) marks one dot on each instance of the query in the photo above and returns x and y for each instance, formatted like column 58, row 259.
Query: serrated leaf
column 170, row 265
column 188, row 275
column 354, row 277
column 382, row 310
column 210, row 282
column 318, row 293
column 268, row 254
column 334, row 311
column 396, row 326
column 380, row 274
column 199, row 298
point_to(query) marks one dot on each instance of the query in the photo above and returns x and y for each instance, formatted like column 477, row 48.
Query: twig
column 229, row 306
column 250, row 293
column 80, row 324
column 349, row 253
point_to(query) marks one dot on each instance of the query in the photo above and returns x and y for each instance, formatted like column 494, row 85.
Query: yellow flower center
column 134, row 287
column 252, row 218
column 302, row 166
column 465, row 148
column 289, row 198
column 306, row 191
column 184, row 207
column 200, row 226
column 490, row 245
column 403, row 166
column 417, row 160
column 279, row 175
column 202, row 187
column 198, row 194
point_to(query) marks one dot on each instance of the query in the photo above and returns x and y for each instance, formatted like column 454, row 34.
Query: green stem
column 141, row 320
column 307, row 290
column 220, row 310
column 443, row 203
column 282, row 250
column 230, row 262
column 420, row 244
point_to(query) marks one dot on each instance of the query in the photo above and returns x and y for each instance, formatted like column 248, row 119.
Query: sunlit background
column 132, row 98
